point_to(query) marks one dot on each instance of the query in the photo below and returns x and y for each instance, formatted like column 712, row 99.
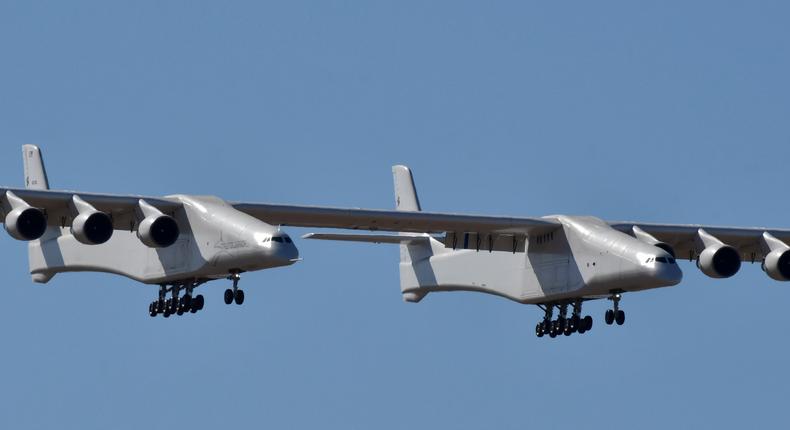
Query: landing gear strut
column 236, row 294
column 615, row 314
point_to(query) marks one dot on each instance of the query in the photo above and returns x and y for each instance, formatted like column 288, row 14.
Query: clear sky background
column 672, row 112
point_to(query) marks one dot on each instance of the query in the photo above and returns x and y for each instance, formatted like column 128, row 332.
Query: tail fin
column 414, row 255
column 35, row 173
column 405, row 193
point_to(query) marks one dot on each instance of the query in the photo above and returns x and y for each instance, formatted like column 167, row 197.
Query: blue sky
column 671, row 112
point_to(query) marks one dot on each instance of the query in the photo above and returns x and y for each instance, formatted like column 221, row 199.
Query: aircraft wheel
column 568, row 330
column 575, row 322
column 199, row 302
column 619, row 317
column 239, row 297
column 160, row 306
column 561, row 324
column 152, row 309
column 587, row 323
column 539, row 330
column 187, row 302
column 609, row 317
column 228, row 296
column 166, row 313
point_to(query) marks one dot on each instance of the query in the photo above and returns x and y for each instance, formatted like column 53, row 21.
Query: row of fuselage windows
column 544, row 238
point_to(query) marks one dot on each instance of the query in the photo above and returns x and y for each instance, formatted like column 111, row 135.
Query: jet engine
column 26, row 223
column 777, row 264
column 92, row 227
column 719, row 261
column 158, row 231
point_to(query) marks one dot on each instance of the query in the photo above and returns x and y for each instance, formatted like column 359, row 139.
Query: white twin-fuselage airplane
column 556, row 262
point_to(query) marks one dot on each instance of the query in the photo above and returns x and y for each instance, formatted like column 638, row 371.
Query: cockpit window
column 667, row 260
column 278, row 239
column 282, row 239
column 288, row 240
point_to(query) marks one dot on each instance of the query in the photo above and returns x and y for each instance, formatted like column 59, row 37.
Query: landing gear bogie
column 175, row 305
column 563, row 324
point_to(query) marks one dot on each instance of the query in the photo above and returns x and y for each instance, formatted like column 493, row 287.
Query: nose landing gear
column 615, row 314
column 236, row 294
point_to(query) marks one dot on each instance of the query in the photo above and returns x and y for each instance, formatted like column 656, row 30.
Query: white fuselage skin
column 585, row 258
column 215, row 240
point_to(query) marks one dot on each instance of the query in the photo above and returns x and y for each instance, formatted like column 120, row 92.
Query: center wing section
column 462, row 231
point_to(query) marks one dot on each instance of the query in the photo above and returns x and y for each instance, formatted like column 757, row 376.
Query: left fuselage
column 215, row 240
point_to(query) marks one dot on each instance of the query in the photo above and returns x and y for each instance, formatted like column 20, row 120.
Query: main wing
column 466, row 231
column 688, row 240
column 57, row 205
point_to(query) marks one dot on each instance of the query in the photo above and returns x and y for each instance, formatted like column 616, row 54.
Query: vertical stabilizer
column 36, row 179
column 415, row 266
column 405, row 192
column 35, row 173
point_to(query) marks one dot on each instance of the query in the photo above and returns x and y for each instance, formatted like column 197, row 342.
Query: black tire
column 160, row 306
column 619, row 317
column 538, row 330
column 576, row 322
column 187, row 302
column 568, row 330
column 166, row 313
column 239, row 297
column 561, row 324
column 199, row 302
column 609, row 317
column 228, row 296
column 587, row 323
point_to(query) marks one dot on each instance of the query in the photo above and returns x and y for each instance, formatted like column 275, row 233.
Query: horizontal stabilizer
column 369, row 238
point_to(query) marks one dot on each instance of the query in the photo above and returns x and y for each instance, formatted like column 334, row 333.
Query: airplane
column 556, row 262
column 177, row 242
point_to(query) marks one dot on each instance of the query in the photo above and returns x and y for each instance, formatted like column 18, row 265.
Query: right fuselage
column 584, row 258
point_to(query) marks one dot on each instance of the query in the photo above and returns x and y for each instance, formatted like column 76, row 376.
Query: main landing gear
column 563, row 324
column 236, row 294
column 175, row 304
column 615, row 314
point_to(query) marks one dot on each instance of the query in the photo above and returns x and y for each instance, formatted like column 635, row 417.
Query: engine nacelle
column 26, row 223
column 92, row 228
column 777, row 264
column 158, row 231
column 719, row 261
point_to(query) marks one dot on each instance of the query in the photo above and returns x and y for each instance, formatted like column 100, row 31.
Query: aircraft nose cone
column 287, row 253
column 669, row 274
